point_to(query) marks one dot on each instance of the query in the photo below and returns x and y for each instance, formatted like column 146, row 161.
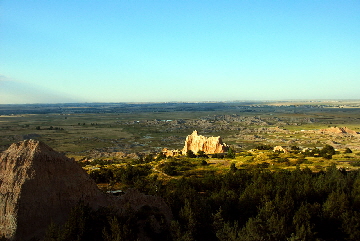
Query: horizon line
column 164, row 102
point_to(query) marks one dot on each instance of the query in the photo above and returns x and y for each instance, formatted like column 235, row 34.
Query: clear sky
column 178, row 50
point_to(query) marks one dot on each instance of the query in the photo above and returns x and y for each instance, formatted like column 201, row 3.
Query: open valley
column 181, row 171
column 85, row 129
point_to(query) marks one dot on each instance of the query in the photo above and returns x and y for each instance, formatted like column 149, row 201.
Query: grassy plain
column 80, row 130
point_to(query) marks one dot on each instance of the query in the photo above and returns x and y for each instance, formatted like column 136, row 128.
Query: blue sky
column 140, row 51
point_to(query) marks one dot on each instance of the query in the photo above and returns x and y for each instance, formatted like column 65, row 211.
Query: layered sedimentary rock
column 339, row 130
column 209, row 145
column 39, row 185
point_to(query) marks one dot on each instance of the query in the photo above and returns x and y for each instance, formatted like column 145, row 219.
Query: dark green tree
column 201, row 154
column 230, row 153
column 160, row 156
column 233, row 168
column 204, row 163
column 263, row 147
column 327, row 150
column 190, row 154
column 188, row 218
column 149, row 158
column 169, row 168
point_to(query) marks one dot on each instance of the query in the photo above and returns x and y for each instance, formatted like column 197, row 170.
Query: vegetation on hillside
column 258, row 195
column 234, row 204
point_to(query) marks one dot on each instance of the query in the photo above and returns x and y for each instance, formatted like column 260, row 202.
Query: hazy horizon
column 178, row 51
column 254, row 101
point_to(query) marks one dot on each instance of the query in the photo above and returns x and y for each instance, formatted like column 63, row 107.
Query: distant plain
column 78, row 129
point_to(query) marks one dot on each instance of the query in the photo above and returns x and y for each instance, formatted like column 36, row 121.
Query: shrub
column 283, row 159
column 202, row 154
column 233, row 168
column 327, row 150
column 308, row 162
column 218, row 155
column 190, row 154
column 169, row 170
column 230, row 154
column 263, row 165
column 264, row 147
column 355, row 163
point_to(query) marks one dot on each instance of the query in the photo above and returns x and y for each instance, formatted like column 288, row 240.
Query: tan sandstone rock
column 170, row 153
column 39, row 185
column 209, row 145
column 339, row 130
column 280, row 149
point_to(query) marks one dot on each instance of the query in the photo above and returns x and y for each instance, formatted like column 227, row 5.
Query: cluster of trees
column 263, row 147
column 201, row 154
column 128, row 174
column 240, row 204
column 105, row 224
column 264, row 205
column 175, row 167
column 245, row 204
column 327, row 152
column 50, row 128
column 355, row 163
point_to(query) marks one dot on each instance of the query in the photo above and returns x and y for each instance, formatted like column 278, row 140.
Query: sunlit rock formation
column 209, row 145
column 280, row 149
column 339, row 130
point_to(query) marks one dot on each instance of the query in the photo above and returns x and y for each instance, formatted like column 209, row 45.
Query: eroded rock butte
column 209, row 145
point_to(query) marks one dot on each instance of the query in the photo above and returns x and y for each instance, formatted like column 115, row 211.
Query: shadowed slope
column 39, row 185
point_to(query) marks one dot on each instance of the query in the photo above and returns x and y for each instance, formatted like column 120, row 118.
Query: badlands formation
column 209, row 145
column 39, row 185
column 339, row 130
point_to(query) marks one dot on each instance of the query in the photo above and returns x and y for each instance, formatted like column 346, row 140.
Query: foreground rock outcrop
column 39, row 185
column 209, row 145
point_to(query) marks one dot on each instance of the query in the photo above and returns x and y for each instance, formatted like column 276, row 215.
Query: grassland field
column 78, row 130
